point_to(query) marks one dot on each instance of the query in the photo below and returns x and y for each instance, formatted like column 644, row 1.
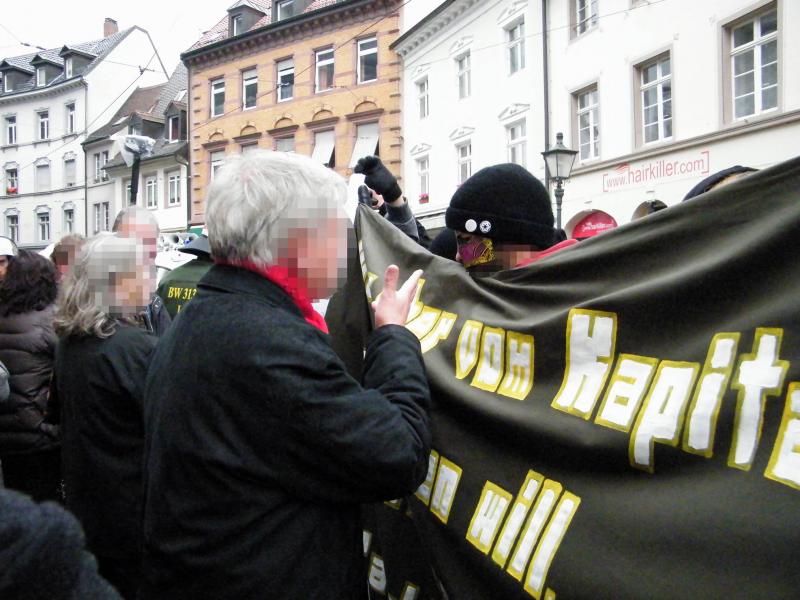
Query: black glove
column 379, row 178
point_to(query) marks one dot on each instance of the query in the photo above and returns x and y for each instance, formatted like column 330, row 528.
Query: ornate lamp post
column 559, row 160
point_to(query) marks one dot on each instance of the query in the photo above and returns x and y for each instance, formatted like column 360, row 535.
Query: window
column 69, row 220
column 12, row 227
column 422, row 172
column 217, row 160
column 68, row 68
column 151, row 192
column 11, row 130
column 44, row 125
column 174, row 189
column 101, row 217
column 464, row 77
column 247, row 148
column 173, row 128
column 464, row 161
column 367, row 136
column 42, row 178
column 7, row 85
column 515, row 47
column 285, row 9
column 217, row 97
column 249, row 89
column 71, row 117
column 104, row 157
column 12, row 181
column 285, row 144
column 588, row 125
column 516, row 141
column 43, row 222
column 69, row 173
column 237, row 24
column 367, row 60
column 324, row 80
column 128, row 195
column 41, row 76
column 422, row 94
column 754, row 65
column 100, row 160
column 656, row 91
column 585, row 15
column 285, row 79
column 324, row 148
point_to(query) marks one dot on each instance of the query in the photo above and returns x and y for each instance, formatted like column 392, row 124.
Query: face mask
column 477, row 251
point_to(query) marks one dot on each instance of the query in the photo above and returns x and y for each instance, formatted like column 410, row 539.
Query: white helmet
column 7, row 247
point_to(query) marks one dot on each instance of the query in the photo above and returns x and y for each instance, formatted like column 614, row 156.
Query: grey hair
column 256, row 199
column 86, row 293
column 137, row 214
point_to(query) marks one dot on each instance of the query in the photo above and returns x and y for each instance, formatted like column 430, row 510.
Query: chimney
column 110, row 27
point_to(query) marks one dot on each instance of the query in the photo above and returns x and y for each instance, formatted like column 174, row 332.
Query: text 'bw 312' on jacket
column 259, row 447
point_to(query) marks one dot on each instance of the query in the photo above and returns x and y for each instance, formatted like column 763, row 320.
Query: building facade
column 472, row 97
column 313, row 77
column 158, row 112
column 654, row 96
column 48, row 102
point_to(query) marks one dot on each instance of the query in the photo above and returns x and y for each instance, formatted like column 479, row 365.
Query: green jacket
column 180, row 285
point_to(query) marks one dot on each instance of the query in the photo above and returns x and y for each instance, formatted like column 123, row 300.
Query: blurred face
column 131, row 292
column 318, row 256
column 144, row 232
column 3, row 266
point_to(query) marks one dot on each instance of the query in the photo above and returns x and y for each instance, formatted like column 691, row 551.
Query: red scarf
column 537, row 256
column 290, row 284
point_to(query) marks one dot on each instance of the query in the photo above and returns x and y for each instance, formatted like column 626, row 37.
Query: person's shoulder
column 128, row 334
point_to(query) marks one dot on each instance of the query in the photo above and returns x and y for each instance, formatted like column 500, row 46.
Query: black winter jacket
column 100, row 387
column 27, row 346
column 259, row 447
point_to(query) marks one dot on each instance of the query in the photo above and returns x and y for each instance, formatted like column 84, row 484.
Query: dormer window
column 7, row 85
column 68, row 68
column 285, row 9
column 236, row 24
column 173, row 128
column 41, row 77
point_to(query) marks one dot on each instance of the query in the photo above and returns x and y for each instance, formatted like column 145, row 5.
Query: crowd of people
column 225, row 453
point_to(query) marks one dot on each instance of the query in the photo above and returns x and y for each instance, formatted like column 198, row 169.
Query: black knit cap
column 504, row 203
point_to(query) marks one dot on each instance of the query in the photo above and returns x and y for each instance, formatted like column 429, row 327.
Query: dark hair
column 30, row 284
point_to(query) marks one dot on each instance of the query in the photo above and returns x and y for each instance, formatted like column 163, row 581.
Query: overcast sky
column 174, row 25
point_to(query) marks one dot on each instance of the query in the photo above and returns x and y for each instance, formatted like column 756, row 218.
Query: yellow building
column 315, row 77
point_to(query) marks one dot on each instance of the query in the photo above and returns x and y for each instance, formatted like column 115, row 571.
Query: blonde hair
column 85, row 298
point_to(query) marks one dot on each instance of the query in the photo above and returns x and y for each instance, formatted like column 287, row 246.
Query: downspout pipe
column 546, row 77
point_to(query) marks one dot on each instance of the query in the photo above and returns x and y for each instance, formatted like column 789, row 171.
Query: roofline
column 39, row 58
column 416, row 28
column 73, row 81
column 270, row 27
column 10, row 67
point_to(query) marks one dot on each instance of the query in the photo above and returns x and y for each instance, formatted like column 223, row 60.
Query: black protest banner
column 619, row 420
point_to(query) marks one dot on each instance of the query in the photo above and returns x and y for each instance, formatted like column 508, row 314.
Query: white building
column 48, row 102
column 158, row 112
column 655, row 95
column 472, row 97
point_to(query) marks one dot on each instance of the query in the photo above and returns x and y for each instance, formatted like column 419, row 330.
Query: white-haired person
column 259, row 447
column 101, row 363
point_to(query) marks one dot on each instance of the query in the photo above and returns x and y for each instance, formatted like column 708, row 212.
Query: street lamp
column 559, row 160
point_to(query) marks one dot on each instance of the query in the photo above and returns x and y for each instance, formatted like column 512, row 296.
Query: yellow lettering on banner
column 424, row 491
column 627, row 387
column 519, row 511
column 440, row 332
column 784, row 464
column 536, row 521
column 377, row 574
column 369, row 279
column 467, row 348
column 424, row 323
column 701, row 424
column 367, row 540
column 444, row 490
column 410, row 591
column 591, row 339
column 661, row 417
column 551, row 540
column 759, row 375
column 486, row 521
column 549, row 595
column 490, row 364
column 518, row 381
